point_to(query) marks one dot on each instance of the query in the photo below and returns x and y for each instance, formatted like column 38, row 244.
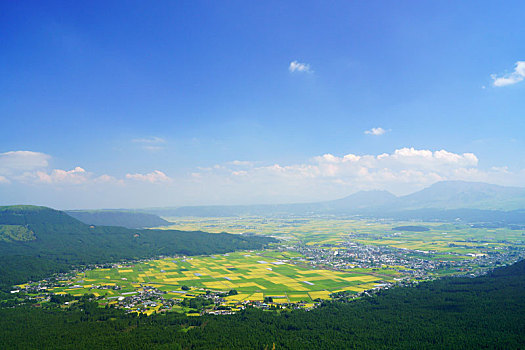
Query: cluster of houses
column 411, row 262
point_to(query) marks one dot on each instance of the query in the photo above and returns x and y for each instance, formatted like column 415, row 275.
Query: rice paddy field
column 283, row 273
column 254, row 275
column 325, row 232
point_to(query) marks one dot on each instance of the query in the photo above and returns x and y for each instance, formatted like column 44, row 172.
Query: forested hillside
column 129, row 219
column 460, row 313
column 58, row 241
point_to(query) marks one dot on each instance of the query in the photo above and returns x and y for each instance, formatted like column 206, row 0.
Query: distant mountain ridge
column 363, row 200
column 123, row 218
column 462, row 194
column 445, row 195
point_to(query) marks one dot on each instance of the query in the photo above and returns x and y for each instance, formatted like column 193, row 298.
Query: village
column 416, row 264
column 149, row 299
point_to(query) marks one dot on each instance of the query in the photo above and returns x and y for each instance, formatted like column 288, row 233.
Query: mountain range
column 441, row 196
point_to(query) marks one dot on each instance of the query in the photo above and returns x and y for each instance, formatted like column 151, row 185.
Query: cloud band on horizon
column 327, row 176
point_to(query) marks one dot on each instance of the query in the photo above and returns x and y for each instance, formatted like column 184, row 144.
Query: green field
column 254, row 275
column 324, row 232
column 284, row 273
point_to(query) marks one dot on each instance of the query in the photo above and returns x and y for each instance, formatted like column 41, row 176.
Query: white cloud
column 299, row 67
column 241, row 163
column 18, row 161
column 156, row 176
column 107, row 179
column 152, row 144
column 327, row 176
column 330, row 176
column 27, row 167
column 150, row 140
column 510, row 79
column 428, row 159
column 152, row 148
column 75, row 176
column 33, row 167
column 375, row 131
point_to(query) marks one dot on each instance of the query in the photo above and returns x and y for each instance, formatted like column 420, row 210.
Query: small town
column 417, row 264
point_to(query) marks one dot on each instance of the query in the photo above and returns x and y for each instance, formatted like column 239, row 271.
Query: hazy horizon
column 204, row 204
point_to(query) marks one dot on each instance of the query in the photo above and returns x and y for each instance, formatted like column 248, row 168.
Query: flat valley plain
column 255, row 275
column 315, row 258
column 460, row 238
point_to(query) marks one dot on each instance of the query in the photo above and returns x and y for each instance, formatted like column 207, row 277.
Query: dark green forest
column 461, row 313
column 59, row 242
column 128, row 219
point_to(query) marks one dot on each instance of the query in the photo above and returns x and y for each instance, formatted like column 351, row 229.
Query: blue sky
column 256, row 102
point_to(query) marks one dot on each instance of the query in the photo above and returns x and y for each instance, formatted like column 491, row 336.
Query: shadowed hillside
column 59, row 241
column 129, row 219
